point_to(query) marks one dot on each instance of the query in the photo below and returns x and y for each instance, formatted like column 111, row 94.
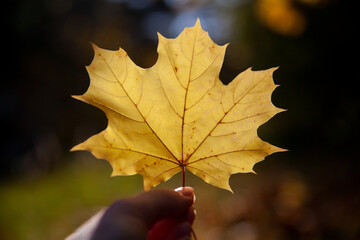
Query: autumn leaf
column 178, row 114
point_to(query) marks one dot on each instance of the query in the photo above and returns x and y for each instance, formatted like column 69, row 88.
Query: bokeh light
column 281, row 16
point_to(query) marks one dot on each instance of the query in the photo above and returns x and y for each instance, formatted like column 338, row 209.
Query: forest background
column 309, row 192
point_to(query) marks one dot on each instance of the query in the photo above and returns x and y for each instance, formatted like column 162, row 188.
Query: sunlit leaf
column 178, row 114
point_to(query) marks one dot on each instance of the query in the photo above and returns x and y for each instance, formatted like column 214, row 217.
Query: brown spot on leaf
column 176, row 69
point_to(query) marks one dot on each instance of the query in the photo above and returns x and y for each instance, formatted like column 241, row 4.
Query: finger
column 169, row 229
column 160, row 204
column 190, row 217
column 186, row 191
column 180, row 230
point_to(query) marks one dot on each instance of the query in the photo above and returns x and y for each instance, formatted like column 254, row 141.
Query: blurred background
column 310, row 192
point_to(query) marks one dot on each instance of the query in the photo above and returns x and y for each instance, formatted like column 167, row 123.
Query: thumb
column 158, row 204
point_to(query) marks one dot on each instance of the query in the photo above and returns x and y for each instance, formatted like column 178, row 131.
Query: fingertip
column 186, row 192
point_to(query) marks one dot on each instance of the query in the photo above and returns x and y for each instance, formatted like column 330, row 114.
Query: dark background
column 314, row 42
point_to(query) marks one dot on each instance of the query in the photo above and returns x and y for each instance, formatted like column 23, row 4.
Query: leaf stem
column 183, row 183
column 183, row 175
column 193, row 233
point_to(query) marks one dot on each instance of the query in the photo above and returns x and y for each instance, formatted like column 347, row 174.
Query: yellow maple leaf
column 178, row 114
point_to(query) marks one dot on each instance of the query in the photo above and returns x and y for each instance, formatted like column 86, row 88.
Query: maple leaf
column 178, row 114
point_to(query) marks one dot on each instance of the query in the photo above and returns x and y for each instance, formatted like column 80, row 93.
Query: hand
column 156, row 214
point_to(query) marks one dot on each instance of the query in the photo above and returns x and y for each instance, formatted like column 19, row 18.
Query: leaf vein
column 138, row 109
column 208, row 67
column 219, row 154
column 139, row 152
column 225, row 114
column 172, row 66
column 205, row 173
column 168, row 170
column 248, row 117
